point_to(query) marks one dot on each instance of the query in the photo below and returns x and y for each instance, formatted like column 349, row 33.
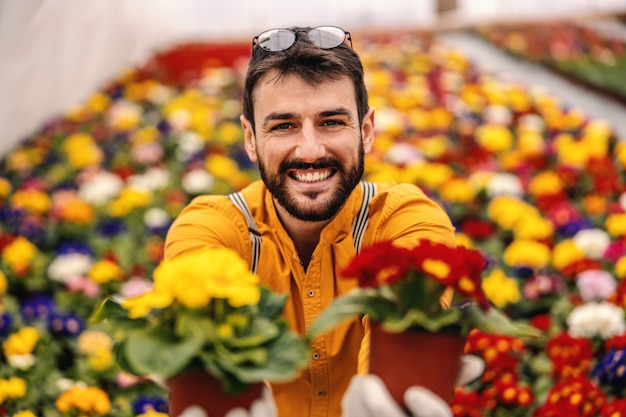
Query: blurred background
column 115, row 114
column 53, row 54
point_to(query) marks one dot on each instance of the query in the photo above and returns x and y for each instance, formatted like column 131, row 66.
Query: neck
column 304, row 235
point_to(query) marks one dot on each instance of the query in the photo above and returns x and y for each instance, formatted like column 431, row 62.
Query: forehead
column 290, row 92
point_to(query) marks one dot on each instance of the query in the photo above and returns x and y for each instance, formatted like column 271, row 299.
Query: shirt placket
column 318, row 368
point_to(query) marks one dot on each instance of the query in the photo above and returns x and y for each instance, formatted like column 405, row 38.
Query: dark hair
column 310, row 63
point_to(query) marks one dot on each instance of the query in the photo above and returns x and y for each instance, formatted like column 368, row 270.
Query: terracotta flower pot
column 416, row 357
column 200, row 388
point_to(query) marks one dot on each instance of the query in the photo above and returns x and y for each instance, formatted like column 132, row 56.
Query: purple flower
column 37, row 306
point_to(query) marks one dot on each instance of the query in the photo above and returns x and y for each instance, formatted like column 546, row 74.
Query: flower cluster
column 206, row 310
column 404, row 288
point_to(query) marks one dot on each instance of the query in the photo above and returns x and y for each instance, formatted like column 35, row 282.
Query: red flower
column 381, row 263
column 542, row 322
column 570, row 356
column 478, row 229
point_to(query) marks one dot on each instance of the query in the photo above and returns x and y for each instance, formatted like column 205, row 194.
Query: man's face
column 308, row 143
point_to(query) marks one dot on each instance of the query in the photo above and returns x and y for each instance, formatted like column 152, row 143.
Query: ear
column 367, row 130
column 248, row 137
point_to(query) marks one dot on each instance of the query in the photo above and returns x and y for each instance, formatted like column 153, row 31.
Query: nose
column 310, row 145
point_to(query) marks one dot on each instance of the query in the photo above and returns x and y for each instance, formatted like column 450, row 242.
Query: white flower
column 498, row 114
column 66, row 267
column 504, row 184
column 593, row 242
column 152, row 180
column 101, row 188
column 596, row 319
column 531, row 122
column 194, row 411
column 160, row 94
column 403, row 154
column 22, row 362
column 156, row 217
column 189, row 143
column 197, row 181
column 595, row 284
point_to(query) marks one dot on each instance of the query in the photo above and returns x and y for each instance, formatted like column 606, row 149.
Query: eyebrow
column 339, row 111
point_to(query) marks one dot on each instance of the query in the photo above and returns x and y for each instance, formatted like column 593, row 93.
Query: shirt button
column 321, row 393
column 311, row 293
column 316, row 355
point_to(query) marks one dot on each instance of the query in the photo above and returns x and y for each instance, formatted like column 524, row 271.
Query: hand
column 367, row 395
column 262, row 407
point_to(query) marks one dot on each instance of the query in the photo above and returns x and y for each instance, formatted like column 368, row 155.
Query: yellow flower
column 105, row 271
column 21, row 342
column 545, row 183
column 500, row 289
column 24, row 413
column 457, row 190
column 31, row 200
column 195, row 278
column 5, row 187
column 77, row 211
column 81, row 150
column 508, row 211
column 494, row 138
column 152, row 413
column 620, row 267
column 620, row 153
column 615, row 224
column 98, row 102
column 526, row 253
column 229, row 133
column 4, row 283
column 145, row 135
column 91, row 341
column 432, row 175
column 101, row 360
column 533, row 227
column 87, row 400
column 129, row 200
column 464, row 240
column 19, row 254
column 12, row 388
column 566, row 253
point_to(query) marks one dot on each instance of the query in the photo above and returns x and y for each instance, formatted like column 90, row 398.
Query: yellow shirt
column 398, row 212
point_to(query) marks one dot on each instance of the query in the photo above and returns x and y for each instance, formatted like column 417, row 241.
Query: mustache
column 318, row 164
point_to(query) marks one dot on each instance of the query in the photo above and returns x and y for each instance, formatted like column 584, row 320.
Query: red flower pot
column 416, row 357
column 202, row 389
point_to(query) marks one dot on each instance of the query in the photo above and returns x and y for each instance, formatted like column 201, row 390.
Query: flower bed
column 576, row 51
column 539, row 188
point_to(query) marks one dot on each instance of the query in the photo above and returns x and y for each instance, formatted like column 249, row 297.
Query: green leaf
column 495, row 321
column 417, row 318
column 271, row 305
column 286, row 356
column 151, row 351
column 255, row 356
column 261, row 331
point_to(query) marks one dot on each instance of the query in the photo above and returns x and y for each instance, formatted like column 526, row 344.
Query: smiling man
column 308, row 125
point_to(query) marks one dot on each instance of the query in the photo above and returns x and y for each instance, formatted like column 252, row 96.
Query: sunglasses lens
column 327, row 37
column 276, row 39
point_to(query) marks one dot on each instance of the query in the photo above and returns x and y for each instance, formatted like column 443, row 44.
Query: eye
column 282, row 126
column 333, row 122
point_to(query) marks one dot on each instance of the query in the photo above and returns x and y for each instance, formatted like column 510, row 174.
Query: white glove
column 367, row 395
column 262, row 407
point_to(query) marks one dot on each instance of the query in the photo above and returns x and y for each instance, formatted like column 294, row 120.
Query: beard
column 349, row 178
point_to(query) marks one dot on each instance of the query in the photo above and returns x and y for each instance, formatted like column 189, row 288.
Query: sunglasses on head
column 325, row 37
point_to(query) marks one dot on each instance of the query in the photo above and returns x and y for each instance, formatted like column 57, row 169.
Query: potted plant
column 416, row 336
column 207, row 329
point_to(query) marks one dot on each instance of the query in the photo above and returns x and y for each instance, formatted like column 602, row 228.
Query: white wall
column 54, row 53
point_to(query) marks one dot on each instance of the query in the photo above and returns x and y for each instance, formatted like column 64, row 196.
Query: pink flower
column 595, row 284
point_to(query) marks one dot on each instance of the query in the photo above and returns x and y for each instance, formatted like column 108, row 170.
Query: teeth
column 312, row 176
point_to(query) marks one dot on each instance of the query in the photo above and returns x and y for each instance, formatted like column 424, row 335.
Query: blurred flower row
column 538, row 186
column 583, row 51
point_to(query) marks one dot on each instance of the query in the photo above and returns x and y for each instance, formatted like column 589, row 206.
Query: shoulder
column 208, row 220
